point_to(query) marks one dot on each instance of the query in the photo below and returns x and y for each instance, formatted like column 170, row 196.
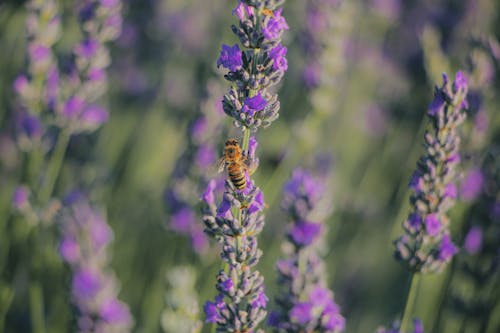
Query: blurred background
column 360, row 79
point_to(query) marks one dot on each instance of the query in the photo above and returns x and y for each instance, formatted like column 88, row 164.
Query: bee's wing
column 221, row 164
column 251, row 165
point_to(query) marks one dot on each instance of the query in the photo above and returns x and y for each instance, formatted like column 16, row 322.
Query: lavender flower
column 427, row 244
column 35, row 89
column 94, row 288
column 190, row 172
column 258, row 66
column 235, row 223
column 181, row 313
column 237, row 220
column 479, row 265
column 86, row 80
column 305, row 304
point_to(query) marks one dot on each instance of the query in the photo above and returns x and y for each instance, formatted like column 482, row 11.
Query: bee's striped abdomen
column 237, row 175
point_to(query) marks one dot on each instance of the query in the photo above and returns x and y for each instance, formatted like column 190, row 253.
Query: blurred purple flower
column 472, row 185
column 86, row 284
column 447, row 249
column 301, row 313
column 182, row 220
column 473, row 240
column 304, row 233
column 432, row 225
column 73, row 107
column 69, row 250
column 20, row 197
column 115, row 312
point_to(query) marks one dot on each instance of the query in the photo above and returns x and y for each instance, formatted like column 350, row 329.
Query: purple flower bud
column 205, row 156
column 472, row 185
column 241, row 10
column 224, row 208
column 115, row 312
column 418, row 327
column 304, row 233
column 208, row 196
column 96, row 74
column 432, row 225
column 416, row 181
column 301, row 313
column 86, row 284
column 182, row 220
column 20, row 197
column 275, row 26
column 258, row 203
column 437, row 105
column 211, row 312
column 30, row 126
column 312, row 75
column 230, row 57
column 446, row 249
column 199, row 240
column 100, row 234
column 21, row 85
column 73, row 107
column 460, row 83
column 39, row 53
column 414, row 221
column 69, row 250
column 260, row 301
column 254, row 104
column 278, row 55
column 94, row 116
column 88, row 48
column 450, row 191
column 252, row 147
column 199, row 128
column 474, row 240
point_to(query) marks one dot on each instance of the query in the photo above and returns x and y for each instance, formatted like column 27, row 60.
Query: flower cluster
column 235, row 223
column 181, row 313
column 321, row 21
column 86, row 80
column 94, row 288
column 258, row 66
column 417, row 328
column 190, row 172
column 427, row 245
column 305, row 304
column 37, row 89
column 479, row 265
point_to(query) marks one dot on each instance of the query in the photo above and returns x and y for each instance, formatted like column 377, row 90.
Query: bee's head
column 232, row 142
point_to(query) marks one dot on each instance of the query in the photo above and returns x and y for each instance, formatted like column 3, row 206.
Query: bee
column 267, row 12
column 236, row 164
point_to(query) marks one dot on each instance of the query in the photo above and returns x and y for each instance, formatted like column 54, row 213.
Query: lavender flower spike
column 94, row 288
column 257, row 66
column 427, row 245
column 235, row 223
column 305, row 304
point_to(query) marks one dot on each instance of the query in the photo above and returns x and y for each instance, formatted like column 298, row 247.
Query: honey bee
column 236, row 163
column 267, row 12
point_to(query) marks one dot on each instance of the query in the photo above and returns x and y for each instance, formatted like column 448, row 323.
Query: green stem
column 54, row 166
column 410, row 303
column 36, row 305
